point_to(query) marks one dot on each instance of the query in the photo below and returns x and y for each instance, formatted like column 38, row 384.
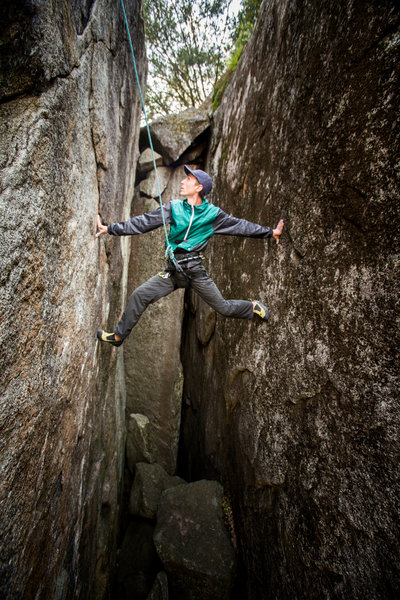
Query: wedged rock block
column 193, row 543
column 149, row 483
column 173, row 134
column 145, row 162
column 138, row 442
column 149, row 186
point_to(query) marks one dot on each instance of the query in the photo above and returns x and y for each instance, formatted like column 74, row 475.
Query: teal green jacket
column 190, row 226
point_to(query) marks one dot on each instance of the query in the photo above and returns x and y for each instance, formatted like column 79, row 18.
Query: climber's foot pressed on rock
column 108, row 337
column 260, row 310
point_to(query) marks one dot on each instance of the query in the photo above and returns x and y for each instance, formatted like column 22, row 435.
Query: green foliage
column 187, row 43
column 244, row 26
column 245, row 22
column 220, row 88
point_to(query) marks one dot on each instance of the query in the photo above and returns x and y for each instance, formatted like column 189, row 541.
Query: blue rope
column 169, row 251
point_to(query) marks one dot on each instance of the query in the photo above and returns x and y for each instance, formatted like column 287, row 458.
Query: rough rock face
column 193, row 543
column 69, row 122
column 300, row 416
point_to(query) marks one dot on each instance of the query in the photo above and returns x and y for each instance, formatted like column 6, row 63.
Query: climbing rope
column 169, row 251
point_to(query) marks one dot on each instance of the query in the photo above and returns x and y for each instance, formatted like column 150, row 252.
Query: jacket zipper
column 190, row 224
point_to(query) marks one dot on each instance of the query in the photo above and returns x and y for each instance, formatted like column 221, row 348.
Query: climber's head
column 202, row 179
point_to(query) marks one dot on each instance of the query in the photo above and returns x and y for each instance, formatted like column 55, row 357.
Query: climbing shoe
column 261, row 310
column 108, row 337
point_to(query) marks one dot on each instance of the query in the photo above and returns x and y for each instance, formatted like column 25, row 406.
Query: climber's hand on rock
column 276, row 233
column 100, row 227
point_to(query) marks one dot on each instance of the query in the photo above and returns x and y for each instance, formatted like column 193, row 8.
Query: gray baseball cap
column 202, row 177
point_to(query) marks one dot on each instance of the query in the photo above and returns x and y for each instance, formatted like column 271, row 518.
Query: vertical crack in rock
column 91, row 110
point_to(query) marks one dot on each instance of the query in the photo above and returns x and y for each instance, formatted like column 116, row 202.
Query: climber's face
column 190, row 186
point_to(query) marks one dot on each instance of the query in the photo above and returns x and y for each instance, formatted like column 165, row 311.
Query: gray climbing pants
column 169, row 280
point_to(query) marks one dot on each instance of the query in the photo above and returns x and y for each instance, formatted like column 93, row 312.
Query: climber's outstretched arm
column 225, row 224
column 141, row 224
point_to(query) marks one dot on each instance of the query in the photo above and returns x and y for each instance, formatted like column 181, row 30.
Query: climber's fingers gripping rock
column 278, row 231
column 102, row 228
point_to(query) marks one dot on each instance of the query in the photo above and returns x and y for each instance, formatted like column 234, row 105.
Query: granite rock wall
column 299, row 417
column 69, row 120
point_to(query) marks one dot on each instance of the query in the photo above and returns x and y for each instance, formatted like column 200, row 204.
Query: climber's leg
column 152, row 290
column 204, row 286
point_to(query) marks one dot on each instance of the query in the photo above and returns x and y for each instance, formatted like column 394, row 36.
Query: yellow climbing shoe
column 261, row 310
column 108, row 337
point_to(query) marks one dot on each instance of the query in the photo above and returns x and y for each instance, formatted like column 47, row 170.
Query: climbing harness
column 169, row 251
column 189, row 258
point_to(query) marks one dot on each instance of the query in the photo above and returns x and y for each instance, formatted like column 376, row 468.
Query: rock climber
column 192, row 222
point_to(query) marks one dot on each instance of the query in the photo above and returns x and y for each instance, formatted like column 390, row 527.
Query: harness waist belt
column 187, row 258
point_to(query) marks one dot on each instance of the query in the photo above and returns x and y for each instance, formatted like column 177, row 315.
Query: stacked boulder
column 193, row 543
column 176, row 541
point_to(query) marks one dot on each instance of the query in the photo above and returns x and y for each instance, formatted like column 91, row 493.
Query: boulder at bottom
column 193, row 543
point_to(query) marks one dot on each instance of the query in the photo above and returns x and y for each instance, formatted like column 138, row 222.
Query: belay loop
column 169, row 251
